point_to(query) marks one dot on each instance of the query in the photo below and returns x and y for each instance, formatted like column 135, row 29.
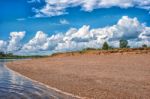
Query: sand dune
column 111, row 76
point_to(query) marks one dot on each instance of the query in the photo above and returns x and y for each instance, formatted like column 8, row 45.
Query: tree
column 123, row 43
column 2, row 54
column 105, row 46
column 10, row 54
column 144, row 46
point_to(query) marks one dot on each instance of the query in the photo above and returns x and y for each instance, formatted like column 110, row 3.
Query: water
column 14, row 86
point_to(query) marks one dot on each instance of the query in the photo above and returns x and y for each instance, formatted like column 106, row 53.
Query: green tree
column 2, row 54
column 10, row 54
column 105, row 46
column 123, row 43
column 144, row 46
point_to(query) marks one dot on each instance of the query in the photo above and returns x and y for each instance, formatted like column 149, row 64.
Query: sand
column 111, row 76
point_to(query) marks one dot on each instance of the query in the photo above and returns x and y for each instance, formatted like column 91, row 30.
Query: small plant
column 105, row 46
column 110, row 47
column 90, row 48
column 82, row 51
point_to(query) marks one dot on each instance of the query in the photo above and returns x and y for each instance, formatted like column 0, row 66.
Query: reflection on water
column 13, row 86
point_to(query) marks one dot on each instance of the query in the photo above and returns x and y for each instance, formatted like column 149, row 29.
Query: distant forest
column 11, row 56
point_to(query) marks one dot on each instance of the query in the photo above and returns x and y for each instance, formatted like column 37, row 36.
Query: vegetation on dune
column 106, row 46
column 123, row 47
column 144, row 46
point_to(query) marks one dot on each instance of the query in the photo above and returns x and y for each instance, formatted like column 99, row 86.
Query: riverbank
column 93, row 74
column 21, row 57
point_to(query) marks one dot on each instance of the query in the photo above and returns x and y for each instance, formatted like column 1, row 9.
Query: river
column 15, row 86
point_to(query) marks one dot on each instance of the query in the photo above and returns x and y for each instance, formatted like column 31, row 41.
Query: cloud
column 3, row 45
column 64, row 21
column 42, row 42
column 48, row 10
column 145, row 34
column 14, row 42
column 58, row 7
column 21, row 19
column 33, row 1
column 36, row 43
column 74, row 39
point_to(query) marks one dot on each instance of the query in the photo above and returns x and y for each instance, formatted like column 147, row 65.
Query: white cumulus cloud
column 64, row 21
column 42, row 42
column 14, row 42
column 36, row 43
column 74, row 39
column 127, row 28
column 3, row 45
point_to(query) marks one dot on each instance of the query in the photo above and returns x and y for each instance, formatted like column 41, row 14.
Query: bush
column 144, row 46
column 124, row 44
column 90, row 48
column 105, row 46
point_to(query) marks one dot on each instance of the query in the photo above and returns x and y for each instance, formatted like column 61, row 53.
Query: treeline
column 122, row 44
column 2, row 54
column 11, row 56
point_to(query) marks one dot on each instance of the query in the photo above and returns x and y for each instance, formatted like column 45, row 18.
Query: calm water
column 13, row 86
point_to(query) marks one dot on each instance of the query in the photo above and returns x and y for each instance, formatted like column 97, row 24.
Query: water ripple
column 13, row 86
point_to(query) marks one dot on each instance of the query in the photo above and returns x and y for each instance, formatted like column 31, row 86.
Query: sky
column 39, row 27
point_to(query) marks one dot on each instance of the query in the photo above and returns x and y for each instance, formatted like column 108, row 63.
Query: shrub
column 144, row 46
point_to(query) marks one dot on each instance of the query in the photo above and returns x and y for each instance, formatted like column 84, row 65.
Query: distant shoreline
column 84, row 51
column 21, row 57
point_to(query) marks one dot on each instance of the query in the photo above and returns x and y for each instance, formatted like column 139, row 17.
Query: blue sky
column 57, row 17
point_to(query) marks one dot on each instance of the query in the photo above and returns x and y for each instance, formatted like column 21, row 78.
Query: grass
column 112, row 50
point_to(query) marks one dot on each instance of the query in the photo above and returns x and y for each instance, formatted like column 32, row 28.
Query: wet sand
column 110, row 76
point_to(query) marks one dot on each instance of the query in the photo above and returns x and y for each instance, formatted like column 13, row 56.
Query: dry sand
column 111, row 76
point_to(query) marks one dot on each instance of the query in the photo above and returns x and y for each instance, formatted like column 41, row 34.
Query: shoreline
column 91, row 75
column 55, row 90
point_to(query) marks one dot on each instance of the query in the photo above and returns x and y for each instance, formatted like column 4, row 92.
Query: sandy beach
column 110, row 76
